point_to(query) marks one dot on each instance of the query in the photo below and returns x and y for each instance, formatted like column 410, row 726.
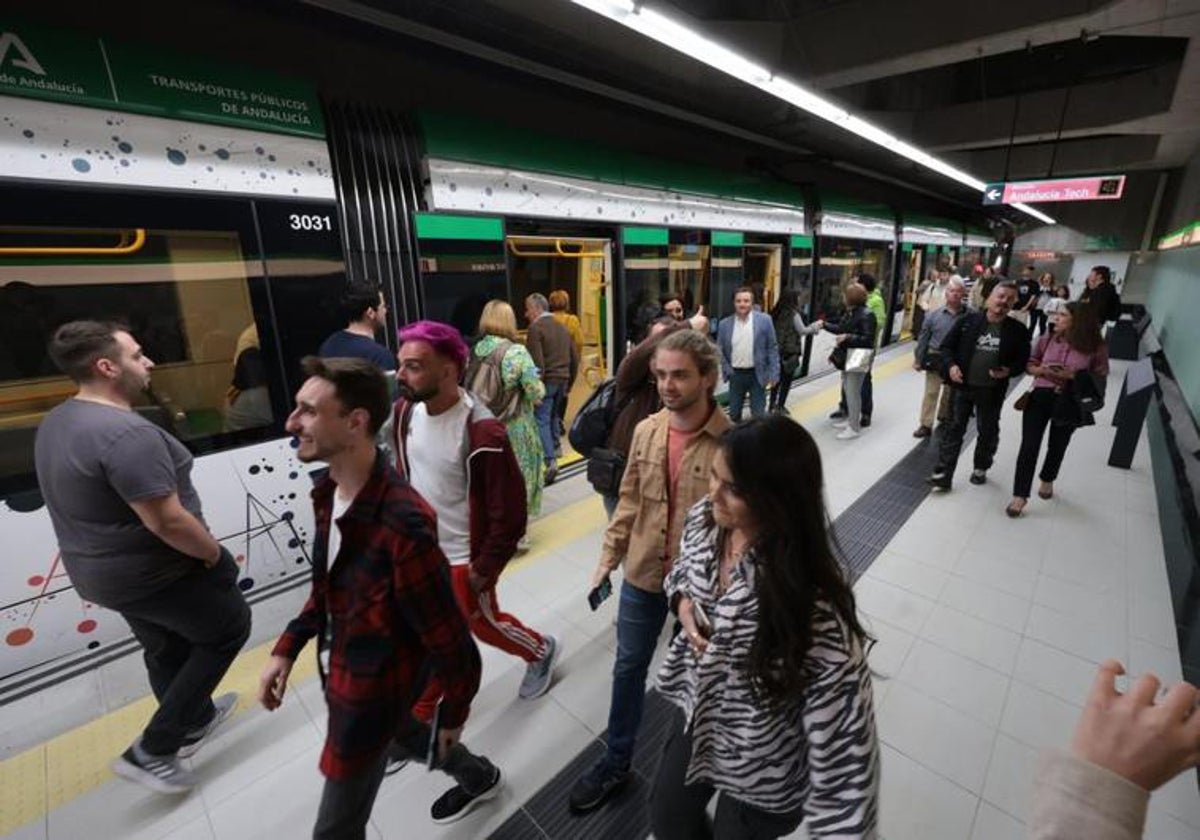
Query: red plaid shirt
column 394, row 619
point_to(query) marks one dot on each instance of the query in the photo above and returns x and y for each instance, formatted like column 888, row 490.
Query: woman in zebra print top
column 769, row 673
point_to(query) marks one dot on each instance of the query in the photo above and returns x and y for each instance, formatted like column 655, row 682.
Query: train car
column 219, row 247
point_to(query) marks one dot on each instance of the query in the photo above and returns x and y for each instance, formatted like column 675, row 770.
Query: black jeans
column 677, row 810
column 346, row 803
column 1038, row 415
column 779, row 394
column 986, row 402
column 190, row 632
column 1038, row 319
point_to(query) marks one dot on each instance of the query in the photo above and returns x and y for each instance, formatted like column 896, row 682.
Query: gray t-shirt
column 92, row 461
column 986, row 356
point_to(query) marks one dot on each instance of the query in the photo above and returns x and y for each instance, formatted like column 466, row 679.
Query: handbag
column 1022, row 402
column 606, row 468
column 859, row 359
column 1089, row 391
column 932, row 362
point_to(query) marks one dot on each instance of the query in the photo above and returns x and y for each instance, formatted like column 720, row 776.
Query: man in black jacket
column 979, row 355
column 1102, row 295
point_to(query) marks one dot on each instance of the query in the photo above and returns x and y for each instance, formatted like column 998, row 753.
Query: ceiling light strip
column 684, row 39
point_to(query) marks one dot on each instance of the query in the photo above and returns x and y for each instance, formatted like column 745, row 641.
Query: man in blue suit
column 749, row 355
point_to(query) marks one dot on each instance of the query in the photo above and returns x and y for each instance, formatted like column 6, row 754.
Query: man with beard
column 458, row 457
column 366, row 316
column 670, row 461
column 381, row 609
column 132, row 538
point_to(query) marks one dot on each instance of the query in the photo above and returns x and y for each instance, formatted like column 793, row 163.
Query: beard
column 412, row 395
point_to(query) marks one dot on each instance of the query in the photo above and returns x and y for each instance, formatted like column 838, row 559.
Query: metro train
column 213, row 242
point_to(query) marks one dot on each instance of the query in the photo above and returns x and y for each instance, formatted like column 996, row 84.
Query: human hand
column 956, row 375
column 599, row 576
column 1132, row 736
column 688, row 620
column 771, row 384
column 273, row 682
column 819, row 324
column 841, row 339
column 998, row 372
column 699, row 321
column 477, row 581
column 446, row 740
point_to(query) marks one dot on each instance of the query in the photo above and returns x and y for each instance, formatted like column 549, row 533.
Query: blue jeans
column 543, row 413
column 640, row 619
column 744, row 381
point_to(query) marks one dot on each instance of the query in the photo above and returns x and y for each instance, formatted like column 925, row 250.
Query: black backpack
column 593, row 424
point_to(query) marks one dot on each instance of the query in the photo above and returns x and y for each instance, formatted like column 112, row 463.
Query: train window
column 459, row 277
column 646, row 281
column 184, row 294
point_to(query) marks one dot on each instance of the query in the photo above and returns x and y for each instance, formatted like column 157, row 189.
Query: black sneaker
column 939, row 479
column 838, row 415
column 597, row 786
column 223, row 707
column 978, row 476
column 551, row 474
column 456, row 803
column 865, row 420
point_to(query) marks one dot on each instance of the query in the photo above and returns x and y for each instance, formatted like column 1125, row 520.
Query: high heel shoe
column 1014, row 510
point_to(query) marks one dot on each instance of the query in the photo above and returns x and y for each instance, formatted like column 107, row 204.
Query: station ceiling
column 1026, row 89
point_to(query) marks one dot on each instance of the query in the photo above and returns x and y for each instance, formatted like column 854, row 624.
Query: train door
column 764, row 268
column 579, row 266
column 911, row 264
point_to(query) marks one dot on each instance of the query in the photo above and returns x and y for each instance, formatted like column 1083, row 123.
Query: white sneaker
column 846, row 434
column 841, row 424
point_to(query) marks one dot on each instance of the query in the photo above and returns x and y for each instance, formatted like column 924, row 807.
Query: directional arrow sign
column 1096, row 188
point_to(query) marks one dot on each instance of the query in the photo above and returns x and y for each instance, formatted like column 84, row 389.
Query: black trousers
column 346, row 803
column 677, row 810
column 1038, row 319
column 986, row 402
column 190, row 633
column 1038, row 415
column 777, row 399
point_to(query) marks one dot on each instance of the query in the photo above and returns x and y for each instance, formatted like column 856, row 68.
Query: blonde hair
column 499, row 319
column 560, row 301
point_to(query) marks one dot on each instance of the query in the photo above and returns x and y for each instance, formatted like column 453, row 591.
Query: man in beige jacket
column 669, row 463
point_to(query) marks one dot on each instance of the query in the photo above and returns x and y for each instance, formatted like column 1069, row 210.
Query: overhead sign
column 67, row 67
column 1097, row 188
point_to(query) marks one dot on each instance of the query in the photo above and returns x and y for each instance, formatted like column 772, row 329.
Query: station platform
column 989, row 632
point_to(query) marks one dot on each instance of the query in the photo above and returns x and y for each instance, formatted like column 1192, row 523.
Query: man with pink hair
column 457, row 456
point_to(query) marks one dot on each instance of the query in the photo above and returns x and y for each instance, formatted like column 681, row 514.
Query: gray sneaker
column 160, row 773
column 224, row 705
column 538, row 675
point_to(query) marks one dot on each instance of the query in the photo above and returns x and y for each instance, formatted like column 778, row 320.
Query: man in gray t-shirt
column 132, row 538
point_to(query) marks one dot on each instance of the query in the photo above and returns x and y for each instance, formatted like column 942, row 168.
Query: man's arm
column 772, row 351
column 533, row 342
column 171, row 522
column 620, row 527
column 504, row 490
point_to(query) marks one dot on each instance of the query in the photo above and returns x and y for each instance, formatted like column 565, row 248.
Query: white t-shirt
column 340, row 506
column 742, row 353
column 437, row 469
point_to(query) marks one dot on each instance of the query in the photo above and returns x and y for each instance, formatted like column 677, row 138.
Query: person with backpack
column 501, row 373
column 789, row 332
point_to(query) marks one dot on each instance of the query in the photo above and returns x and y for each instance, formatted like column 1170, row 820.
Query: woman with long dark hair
column 769, row 674
column 790, row 330
column 1075, row 349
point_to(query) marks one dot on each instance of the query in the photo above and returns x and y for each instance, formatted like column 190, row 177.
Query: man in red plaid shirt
column 382, row 611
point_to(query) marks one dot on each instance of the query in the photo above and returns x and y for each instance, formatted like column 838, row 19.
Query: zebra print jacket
column 820, row 754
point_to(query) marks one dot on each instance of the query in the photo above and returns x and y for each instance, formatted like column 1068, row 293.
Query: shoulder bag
column 858, row 359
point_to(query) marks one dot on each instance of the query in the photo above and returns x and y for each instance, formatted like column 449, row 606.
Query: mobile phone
column 703, row 625
column 600, row 594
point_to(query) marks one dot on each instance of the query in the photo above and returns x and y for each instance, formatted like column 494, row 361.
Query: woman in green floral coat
column 498, row 325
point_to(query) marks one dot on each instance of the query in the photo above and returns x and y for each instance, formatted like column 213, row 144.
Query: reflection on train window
column 459, row 277
column 647, row 272
column 841, row 261
column 185, row 297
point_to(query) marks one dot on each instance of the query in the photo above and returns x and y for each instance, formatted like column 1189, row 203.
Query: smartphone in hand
column 600, row 594
column 703, row 625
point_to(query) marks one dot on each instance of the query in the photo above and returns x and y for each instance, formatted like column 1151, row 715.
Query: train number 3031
column 301, row 221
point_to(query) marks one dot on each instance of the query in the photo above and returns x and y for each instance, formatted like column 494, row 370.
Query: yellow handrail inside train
column 556, row 253
column 130, row 243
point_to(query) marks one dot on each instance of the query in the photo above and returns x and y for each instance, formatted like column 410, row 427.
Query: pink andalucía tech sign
column 1094, row 188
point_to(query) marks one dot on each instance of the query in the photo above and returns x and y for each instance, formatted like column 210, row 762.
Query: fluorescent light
column 1037, row 214
column 684, row 39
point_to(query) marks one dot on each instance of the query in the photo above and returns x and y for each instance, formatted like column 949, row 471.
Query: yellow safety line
column 69, row 765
